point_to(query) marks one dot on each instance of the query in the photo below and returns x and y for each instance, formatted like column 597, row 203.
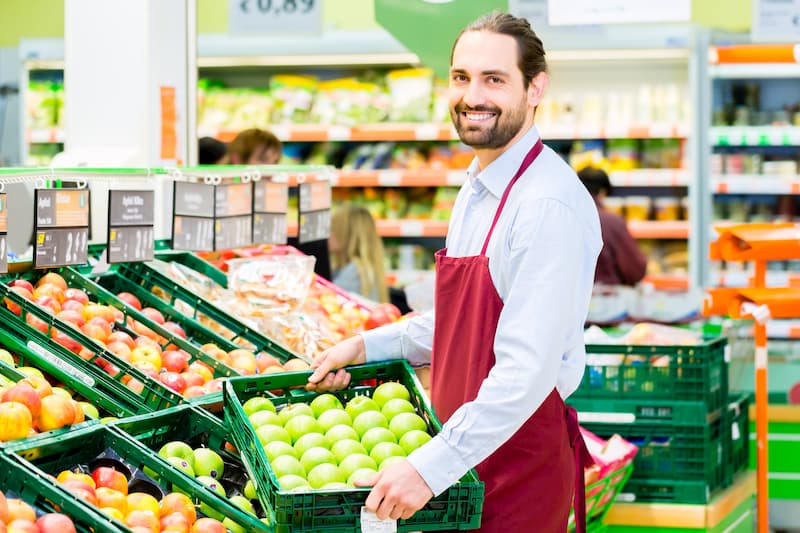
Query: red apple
column 153, row 314
column 26, row 395
column 22, row 291
column 130, row 299
column 71, row 317
column 52, row 278
column 173, row 380
column 25, row 284
column 106, row 476
column 175, row 523
column 208, row 525
column 121, row 336
column 192, row 379
column 264, row 360
column 76, row 295
column 48, row 303
column 175, row 502
column 57, row 412
column 66, row 341
column 215, row 385
column 194, row 391
column 54, row 292
column 95, row 331
column 55, row 523
column 15, row 421
column 22, row 526
column 74, row 305
column 384, row 313
column 175, row 329
column 147, row 341
column 175, row 360
column 120, row 349
column 41, row 385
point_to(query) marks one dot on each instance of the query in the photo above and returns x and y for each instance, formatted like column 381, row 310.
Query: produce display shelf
column 755, row 184
column 755, row 136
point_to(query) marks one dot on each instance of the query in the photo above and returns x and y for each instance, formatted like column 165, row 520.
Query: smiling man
column 505, row 339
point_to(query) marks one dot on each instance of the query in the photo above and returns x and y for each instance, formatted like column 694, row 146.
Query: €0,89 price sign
column 275, row 16
column 61, row 227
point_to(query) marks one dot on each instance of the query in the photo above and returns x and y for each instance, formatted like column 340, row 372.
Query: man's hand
column 397, row 492
column 348, row 352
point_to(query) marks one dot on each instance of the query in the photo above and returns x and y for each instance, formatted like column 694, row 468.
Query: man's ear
column 537, row 88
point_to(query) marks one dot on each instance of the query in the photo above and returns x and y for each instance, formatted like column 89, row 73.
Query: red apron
column 531, row 479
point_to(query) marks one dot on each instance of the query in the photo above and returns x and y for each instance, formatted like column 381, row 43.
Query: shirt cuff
column 438, row 464
column 384, row 343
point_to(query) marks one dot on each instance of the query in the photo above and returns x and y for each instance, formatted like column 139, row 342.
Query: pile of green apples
column 325, row 445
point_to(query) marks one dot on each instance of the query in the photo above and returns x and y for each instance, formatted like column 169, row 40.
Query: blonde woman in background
column 357, row 253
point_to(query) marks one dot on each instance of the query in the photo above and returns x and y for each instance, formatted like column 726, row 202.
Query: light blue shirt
column 349, row 279
column 542, row 258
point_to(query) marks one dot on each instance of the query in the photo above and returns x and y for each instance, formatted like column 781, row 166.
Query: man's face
column 489, row 103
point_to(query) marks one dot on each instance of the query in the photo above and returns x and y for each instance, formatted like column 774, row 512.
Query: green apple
column 277, row 448
column 396, row 406
column 389, row 390
column 362, row 474
column 287, row 464
column 215, row 486
column 308, row 441
column 268, row 433
column 335, row 485
column 333, row 417
column 207, row 462
column 262, row 418
column 299, row 425
column 243, row 503
column 250, row 490
column 89, row 410
column 375, row 435
column 368, row 420
column 316, row 456
column 383, row 450
column 325, row 402
column 181, row 464
column 259, row 403
column 389, row 461
column 107, row 419
column 353, row 462
column 345, row 447
column 360, row 404
column 232, row 526
column 294, row 409
column 7, row 358
column 180, row 449
column 411, row 440
column 405, row 422
column 292, row 482
column 340, row 432
column 323, row 474
column 31, row 371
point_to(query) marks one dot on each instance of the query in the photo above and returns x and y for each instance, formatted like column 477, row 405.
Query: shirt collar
column 498, row 174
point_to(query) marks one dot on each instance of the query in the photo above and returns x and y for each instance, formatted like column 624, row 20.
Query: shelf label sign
column 61, row 227
column 270, row 204
column 3, row 234
column 314, row 202
column 131, row 217
column 233, row 209
column 275, row 16
column 592, row 12
column 777, row 20
column 212, row 217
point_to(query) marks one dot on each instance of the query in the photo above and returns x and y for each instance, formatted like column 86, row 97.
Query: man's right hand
column 328, row 367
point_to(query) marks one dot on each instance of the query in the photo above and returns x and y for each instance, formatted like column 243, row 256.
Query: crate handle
column 607, row 418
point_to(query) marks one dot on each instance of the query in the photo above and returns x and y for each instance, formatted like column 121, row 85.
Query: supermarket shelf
column 608, row 131
column 650, row 177
column 656, row 229
column 755, row 136
column 746, row 71
column 756, row 53
column 668, row 282
column 42, row 136
column 742, row 279
column 755, row 184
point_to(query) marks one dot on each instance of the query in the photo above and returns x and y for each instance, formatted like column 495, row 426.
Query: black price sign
column 233, row 232
column 61, row 227
column 3, row 234
column 314, row 211
column 233, row 207
column 270, row 203
column 193, row 217
column 130, row 226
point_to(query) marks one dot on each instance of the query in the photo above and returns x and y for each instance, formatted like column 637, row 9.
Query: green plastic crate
column 46, row 497
column 457, row 508
column 195, row 263
column 153, row 395
column 643, row 411
column 600, row 495
column 194, row 426
column 680, row 453
column 685, row 373
column 51, row 456
column 149, row 277
column 738, row 417
column 647, row 490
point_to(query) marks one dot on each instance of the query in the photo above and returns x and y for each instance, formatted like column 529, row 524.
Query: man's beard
column 506, row 126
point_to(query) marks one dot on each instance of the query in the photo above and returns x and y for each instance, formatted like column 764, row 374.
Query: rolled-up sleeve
column 546, row 259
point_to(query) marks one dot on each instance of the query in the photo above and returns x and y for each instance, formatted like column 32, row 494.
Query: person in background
column 621, row 261
column 356, row 252
column 254, row 147
column 210, row 151
column 505, row 338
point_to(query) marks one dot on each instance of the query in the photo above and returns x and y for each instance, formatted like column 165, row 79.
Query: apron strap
column 583, row 459
column 532, row 154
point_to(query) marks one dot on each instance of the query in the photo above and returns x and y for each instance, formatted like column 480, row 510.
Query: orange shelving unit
column 758, row 243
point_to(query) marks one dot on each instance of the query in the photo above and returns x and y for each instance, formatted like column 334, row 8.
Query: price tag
column 233, row 232
column 194, row 199
column 275, row 16
column 233, row 200
column 270, row 203
column 61, row 224
column 370, row 523
column 776, row 20
column 130, row 226
column 193, row 217
column 3, row 234
column 315, row 211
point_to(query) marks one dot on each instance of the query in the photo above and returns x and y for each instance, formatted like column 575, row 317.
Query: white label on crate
column 735, row 433
column 62, row 365
column 761, row 357
column 607, row 418
column 370, row 523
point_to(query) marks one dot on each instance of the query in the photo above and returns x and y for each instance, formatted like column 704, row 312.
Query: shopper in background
column 512, row 293
column 621, row 261
column 255, row 147
column 357, row 253
column 210, row 151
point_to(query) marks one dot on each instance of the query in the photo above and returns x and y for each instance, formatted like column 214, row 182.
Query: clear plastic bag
column 272, row 282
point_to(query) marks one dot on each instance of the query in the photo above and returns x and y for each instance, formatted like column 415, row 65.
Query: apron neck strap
column 532, row 154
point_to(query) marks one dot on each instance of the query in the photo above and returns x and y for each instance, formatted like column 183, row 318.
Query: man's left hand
column 397, row 492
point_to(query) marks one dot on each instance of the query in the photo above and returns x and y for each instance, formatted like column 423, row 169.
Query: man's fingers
column 370, row 482
column 323, row 368
column 375, row 495
column 407, row 514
